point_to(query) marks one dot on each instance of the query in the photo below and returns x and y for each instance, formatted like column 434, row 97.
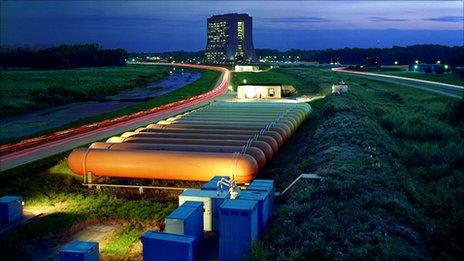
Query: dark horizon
column 173, row 26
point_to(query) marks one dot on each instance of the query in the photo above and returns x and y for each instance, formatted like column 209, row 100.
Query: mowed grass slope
column 393, row 168
column 27, row 90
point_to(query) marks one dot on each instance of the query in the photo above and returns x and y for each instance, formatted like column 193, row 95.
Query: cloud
column 386, row 19
column 301, row 19
column 449, row 19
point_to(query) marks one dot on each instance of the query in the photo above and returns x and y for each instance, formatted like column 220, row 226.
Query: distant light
column 446, row 66
column 415, row 67
column 396, row 62
column 244, row 81
column 417, row 61
column 438, row 61
column 133, row 59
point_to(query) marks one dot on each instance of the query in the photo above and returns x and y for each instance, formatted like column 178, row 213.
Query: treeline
column 62, row 57
column 426, row 53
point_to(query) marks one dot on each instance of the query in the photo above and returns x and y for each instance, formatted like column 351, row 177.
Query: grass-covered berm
column 392, row 166
column 66, row 210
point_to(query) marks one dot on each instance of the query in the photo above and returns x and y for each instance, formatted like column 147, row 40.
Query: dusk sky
column 181, row 25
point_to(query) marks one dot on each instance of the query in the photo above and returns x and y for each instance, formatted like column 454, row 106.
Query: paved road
column 38, row 152
column 450, row 90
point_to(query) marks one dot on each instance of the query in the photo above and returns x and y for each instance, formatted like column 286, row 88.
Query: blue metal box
column 264, row 185
column 239, row 228
column 165, row 246
column 211, row 201
column 212, row 184
column 186, row 220
column 11, row 209
column 80, row 251
column 263, row 208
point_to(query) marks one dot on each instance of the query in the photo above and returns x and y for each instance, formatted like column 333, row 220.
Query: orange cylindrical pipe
column 216, row 124
column 283, row 132
column 238, row 105
column 170, row 165
column 272, row 134
column 268, row 139
column 226, row 117
column 290, row 124
column 263, row 146
column 256, row 153
column 295, row 117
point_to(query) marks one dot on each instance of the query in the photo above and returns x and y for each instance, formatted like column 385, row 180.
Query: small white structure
column 246, row 68
column 259, row 91
column 339, row 87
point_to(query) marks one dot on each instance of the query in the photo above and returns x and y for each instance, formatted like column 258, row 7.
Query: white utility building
column 259, row 91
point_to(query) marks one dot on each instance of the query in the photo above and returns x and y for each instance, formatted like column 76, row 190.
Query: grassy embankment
column 393, row 168
column 63, row 86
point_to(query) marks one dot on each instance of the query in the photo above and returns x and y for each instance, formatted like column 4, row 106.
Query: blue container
column 80, row 251
column 211, row 201
column 264, row 185
column 11, row 209
column 263, row 208
column 186, row 220
column 212, row 184
column 164, row 246
column 239, row 228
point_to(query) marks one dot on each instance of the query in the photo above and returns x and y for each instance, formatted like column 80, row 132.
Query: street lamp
column 438, row 62
column 417, row 61
column 446, row 67
column 396, row 62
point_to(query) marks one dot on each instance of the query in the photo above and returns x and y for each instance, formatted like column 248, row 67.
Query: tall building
column 230, row 39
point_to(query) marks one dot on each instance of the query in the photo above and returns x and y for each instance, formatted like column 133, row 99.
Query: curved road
column 449, row 90
column 51, row 148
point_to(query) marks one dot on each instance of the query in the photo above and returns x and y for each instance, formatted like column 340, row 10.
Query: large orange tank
column 295, row 117
column 256, row 153
column 261, row 125
column 170, row 165
column 237, row 105
column 268, row 139
column 286, row 135
column 298, row 114
column 263, row 146
column 226, row 117
column 290, row 124
column 272, row 134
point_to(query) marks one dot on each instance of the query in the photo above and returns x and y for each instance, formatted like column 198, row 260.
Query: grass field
column 27, row 90
column 450, row 78
column 393, row 168
column 205, row 83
